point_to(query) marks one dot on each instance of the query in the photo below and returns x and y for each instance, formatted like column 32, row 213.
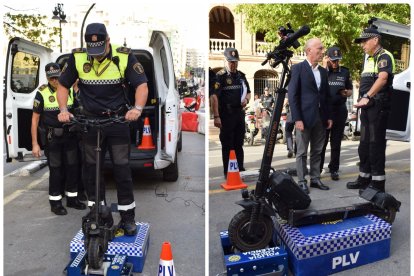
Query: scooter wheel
column 241, row 239
column 95, row 252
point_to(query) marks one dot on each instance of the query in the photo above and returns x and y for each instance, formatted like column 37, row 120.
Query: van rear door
column 395, row 38
column 25, row 62
column 167, row 91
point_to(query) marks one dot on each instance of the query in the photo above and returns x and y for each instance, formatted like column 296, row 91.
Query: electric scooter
column 278, row 194
column 98, row 225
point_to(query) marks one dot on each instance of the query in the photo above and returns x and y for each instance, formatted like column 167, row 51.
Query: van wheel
column 180, row 142
column 170, row 173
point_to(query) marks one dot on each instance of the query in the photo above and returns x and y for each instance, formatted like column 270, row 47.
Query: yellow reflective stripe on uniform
column 126, row 207
column 371, row 66
column 49, row 99
column 98, row 75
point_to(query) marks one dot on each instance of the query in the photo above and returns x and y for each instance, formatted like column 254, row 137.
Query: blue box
column 257, row 262
column 323, row 249
column 135, row 247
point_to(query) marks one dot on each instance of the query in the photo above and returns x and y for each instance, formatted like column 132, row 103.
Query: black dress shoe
column 317, row 183
column 59, row 210
column 335, row 175
column 303, row 186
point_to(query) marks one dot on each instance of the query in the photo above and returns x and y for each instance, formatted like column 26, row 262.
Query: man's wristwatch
column 366, row 96
column 139, row 108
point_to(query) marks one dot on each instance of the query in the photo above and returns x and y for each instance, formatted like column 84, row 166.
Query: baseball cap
column 334, row 53
column 95, row 37
column 52, row 70
column 231, row 54
column 367, row 34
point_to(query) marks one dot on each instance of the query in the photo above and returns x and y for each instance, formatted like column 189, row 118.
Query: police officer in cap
column 104, row 70
column 375, row 91
column 61, row 145
column 233, row 93
column 340, row 87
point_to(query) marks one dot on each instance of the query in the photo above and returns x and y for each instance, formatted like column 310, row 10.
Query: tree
column 335, row 24
column 30, row 27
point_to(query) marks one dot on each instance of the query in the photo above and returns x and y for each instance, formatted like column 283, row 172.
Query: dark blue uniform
column 229, row 88
column 338, row 80
column 374, row 118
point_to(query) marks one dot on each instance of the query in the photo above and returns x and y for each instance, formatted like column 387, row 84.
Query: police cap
column 367, row 34
column 52, row 70
column 95, row 37
column 231, row 54
column 334, row 53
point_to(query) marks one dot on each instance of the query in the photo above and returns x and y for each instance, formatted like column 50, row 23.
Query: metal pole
column 60, row 34
column 83, row 23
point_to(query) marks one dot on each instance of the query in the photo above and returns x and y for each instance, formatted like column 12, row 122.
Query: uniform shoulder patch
column 221, row 72
column 123, row 50
column 79, row 50
column 42, row 87
column 382, row 63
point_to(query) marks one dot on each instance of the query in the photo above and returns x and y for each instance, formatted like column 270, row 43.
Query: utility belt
column 122, row 110
column 56, row 132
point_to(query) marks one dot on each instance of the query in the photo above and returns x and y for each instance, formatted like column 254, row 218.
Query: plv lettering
column 343, row 260
column 162, row 271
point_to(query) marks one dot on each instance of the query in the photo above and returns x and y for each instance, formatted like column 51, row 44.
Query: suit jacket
column 305, row 100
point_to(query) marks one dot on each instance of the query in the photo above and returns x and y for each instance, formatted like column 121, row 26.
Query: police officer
column 267, row 100
column 61, row 145
column 103, row 70
column 376, row 89
column 340, row 87
column 233, row 93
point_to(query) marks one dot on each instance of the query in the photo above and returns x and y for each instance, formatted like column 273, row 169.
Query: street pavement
column 222, row 207
column 36, row 242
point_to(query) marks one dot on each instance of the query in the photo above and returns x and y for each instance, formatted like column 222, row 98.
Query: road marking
column 344, row 176
column 31, row 185
column 28, row 169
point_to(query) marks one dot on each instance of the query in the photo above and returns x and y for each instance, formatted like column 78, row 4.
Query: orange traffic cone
column 146, row 136
column 233, row 181
column 166, row 267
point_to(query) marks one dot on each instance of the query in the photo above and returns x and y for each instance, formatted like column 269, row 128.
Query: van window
column 400, row 48
column 165, row 66
column 25, row 72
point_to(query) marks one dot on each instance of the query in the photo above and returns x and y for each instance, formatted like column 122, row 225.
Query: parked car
column 24, row 64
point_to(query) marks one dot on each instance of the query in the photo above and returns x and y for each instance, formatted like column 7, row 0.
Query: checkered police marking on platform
column 131, row 249
column 308, row 247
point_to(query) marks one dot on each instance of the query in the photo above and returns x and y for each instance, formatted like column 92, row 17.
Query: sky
column 190, row 17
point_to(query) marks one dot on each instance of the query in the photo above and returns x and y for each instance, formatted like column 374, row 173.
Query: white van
column 396, row 39
column 24, row 73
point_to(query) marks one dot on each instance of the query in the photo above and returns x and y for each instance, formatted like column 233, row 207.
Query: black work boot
column 73, row 202
column 128, row 222
column 379, row 185
column 360, row 183
column 57, row 207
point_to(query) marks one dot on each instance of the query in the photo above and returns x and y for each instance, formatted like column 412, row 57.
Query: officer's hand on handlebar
column 64, row 116
column 299, row 125
column 133, row 114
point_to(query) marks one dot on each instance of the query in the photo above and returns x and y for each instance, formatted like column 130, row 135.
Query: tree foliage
column 335, row 24
column 31, row 27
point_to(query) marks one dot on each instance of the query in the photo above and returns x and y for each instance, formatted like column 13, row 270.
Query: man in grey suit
column 309, row 104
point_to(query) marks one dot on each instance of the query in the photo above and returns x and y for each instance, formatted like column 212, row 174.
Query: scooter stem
column 98, row 173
